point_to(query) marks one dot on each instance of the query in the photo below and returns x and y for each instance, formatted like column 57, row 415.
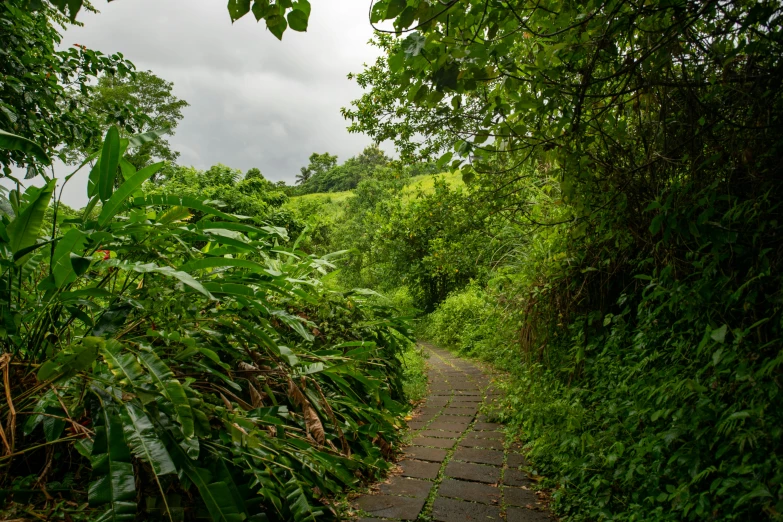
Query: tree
column 43, row 90
column 319, row 164
column 251, row 196
column 142, row 102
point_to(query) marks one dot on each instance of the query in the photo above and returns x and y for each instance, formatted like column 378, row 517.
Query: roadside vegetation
column 587, row 195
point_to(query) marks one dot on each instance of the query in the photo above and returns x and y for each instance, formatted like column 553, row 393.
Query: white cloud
column 255, row 101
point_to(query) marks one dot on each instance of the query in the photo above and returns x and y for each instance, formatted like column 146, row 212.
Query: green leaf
column 218, row 262
column 719, row 334
column 110, row 159
column 394, row 8
column 10, row 141
column 87, row 292
column 80, row 264
column 216, row 495
column 123, row 366
column 174, row 215
column 70, row 360
column 113, row 481
column 262, row 9
column 297, row 20
column 151, row 268
column 118, row 199
column 276, row 25
column 143, row 440
column 303, row 5
column 62, row 267
column 127, row 169
column 171, row 388
column 24, row 230
column 147, row 137
column 238, row 8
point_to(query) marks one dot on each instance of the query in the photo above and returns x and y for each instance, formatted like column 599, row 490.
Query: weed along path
column 459, row 466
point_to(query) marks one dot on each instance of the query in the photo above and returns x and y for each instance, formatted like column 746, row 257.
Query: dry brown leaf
column 227, row 403
column 296, row 394
column 333, row 418
column 256, row 397
column 313, row 424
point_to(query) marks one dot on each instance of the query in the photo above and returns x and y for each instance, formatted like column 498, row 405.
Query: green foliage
column 414, row 373
column 431, row 243
column 139, row 103
column 40, row 95
column 466, row 320
column 324, row 175
column 319, row 164
column 635, row 296
column 197, row 354
column 251, row 196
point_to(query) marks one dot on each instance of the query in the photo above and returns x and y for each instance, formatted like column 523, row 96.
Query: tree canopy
column 140, row 102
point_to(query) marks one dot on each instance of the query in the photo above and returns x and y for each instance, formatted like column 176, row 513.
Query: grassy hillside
column 331, row 203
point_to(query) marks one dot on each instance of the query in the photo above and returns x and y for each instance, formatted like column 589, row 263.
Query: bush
column 467, row 321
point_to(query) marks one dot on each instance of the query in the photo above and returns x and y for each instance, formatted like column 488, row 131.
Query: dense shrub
column 466, row 320
column 165, row 359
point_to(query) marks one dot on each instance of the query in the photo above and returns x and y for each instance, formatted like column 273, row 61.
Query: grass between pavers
column 426, row 512
column 347, row 512
column 503, row 381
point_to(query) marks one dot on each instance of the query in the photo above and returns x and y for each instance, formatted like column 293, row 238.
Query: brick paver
column 458, row 458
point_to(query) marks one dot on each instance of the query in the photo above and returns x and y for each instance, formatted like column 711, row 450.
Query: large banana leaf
column 120, row 196
column 216, row 495
column 110, row 159
column 171, row 388
column 144, row 441
column 113, row 482
column 24, row 230
column 62, row 268
column 147, row 137
column 10, row 141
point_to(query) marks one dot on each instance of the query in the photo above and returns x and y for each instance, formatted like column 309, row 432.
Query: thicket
column 169, row 352
column 627, row 159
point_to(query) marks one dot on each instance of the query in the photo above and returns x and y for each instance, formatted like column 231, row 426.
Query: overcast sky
column 254, row 101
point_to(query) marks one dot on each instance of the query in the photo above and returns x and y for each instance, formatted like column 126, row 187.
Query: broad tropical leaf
column 123, row 366
column 118, row 198
column 113, row 482
column 151, row 268
column 10, row 141
column 110, row 159
column 143, row 439
column 216, row 495
column 147, row 137
column 171, row 388
column 70, row 360
column 24, row 229
column 62, row 267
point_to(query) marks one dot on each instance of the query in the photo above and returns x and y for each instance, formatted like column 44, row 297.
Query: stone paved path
column 459, row 466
